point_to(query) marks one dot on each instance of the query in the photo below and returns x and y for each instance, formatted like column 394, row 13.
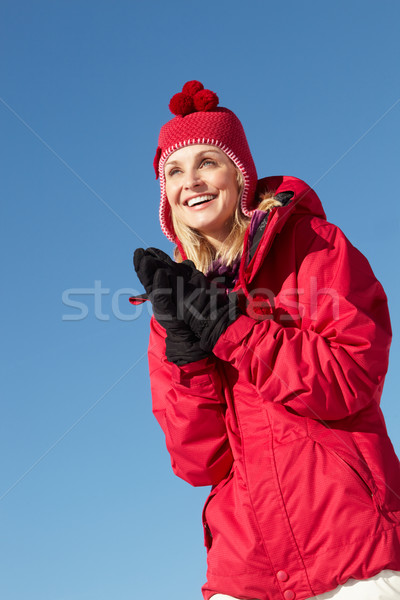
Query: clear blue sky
column 90, row 509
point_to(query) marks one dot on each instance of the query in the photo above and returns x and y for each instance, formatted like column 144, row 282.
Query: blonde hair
column 198, row 249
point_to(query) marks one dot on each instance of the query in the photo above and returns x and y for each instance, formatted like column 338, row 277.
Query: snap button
column 289, row 595
column 282, row 576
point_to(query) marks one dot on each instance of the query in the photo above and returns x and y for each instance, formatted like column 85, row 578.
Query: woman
column 267, row 354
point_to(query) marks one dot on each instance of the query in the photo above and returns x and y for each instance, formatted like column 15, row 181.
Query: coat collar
column 304, row 201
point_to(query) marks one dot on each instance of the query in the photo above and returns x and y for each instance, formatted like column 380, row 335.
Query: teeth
column 199, row 199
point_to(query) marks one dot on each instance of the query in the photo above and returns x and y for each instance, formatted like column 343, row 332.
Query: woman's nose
column 192, row 180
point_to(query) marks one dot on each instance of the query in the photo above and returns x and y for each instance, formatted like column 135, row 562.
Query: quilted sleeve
column 188, row 403
column 334, row 363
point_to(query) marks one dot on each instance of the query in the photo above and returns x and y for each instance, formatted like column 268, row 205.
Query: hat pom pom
column 192, row 98
column 181, row 104
column 192, row 87
column 205, row 100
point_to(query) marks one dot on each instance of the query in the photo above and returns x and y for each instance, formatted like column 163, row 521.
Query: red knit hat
column 199, row 120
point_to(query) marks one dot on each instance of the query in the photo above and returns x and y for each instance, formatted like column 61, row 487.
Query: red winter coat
column 284, row 420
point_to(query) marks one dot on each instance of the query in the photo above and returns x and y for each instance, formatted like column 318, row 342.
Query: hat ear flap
column 156, row 160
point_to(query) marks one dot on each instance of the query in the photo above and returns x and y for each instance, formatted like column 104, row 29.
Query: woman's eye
column 172, row 172
column 208, row 161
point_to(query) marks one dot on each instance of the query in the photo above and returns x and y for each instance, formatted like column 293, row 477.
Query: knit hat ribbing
column 199, row 120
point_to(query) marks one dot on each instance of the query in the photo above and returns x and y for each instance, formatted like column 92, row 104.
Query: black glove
column 182, row 346
column 146, row 263
column 202, row 305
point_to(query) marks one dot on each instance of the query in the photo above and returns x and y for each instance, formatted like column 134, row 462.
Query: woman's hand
column 152, row 267
column 183, row 295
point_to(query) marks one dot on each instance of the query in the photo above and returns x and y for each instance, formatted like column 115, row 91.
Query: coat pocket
column 214, row 491
column 362, row 443
column 329, row 499
column 343, row 446
column 356, row 471
column 385, row 470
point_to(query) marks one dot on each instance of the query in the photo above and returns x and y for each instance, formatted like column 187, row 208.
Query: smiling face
column 202, row 189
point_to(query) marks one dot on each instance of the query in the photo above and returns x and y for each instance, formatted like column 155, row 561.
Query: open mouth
column 200, row 200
